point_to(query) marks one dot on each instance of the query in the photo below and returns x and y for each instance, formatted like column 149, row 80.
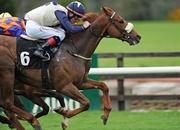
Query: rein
column 125, row 32
column 82, row 57
column 77, row 55
column 110, row 18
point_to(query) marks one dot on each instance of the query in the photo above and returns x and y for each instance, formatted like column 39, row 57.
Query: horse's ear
column 104, row 9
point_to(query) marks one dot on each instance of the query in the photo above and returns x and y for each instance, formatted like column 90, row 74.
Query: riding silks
column 12, row 26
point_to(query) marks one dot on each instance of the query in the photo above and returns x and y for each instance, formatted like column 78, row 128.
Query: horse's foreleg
column 71, row 91
column 13, row 121
column 40, row 102
column 27, row 116
column 7, row 95
column 8, row 105
column 60, row 98
column 18, row 102
column 45, row 108
column 91, row 84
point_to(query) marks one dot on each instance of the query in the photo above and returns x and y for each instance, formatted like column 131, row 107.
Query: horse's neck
column 86, row 42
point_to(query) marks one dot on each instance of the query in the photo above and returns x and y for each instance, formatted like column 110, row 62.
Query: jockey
column 11, row 26
column 51, row 21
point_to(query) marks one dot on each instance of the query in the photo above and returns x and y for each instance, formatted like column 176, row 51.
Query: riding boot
column 41, row 51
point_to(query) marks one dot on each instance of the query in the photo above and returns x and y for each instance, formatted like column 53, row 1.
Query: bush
column 7, row 6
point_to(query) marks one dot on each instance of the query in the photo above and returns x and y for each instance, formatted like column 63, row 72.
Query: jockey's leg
column 55, row 36
column 41, row 51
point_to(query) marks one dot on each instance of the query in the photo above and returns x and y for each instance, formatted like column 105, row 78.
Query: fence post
column 121, row 103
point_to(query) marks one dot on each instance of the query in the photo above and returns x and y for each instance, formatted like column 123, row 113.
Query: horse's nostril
column 139, row 37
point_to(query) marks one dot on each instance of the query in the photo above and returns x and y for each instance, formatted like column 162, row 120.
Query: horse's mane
column 90, row 17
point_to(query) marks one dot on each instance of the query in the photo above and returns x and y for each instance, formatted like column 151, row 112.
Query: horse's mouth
column 134, row 40
column 131, row 40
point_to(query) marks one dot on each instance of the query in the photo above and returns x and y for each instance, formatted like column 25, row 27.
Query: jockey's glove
column 86, row 24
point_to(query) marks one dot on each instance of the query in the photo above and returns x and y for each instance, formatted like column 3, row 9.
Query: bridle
column 126, row 35
column 96, row 35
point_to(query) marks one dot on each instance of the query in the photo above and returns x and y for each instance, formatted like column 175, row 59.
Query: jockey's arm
column 54, row 2
column 63, row 18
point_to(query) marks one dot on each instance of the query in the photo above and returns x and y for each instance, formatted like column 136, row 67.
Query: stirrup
column 45, row 57
column 48, row 57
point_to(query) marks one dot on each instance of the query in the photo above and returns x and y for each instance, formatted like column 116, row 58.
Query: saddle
column 25, row 50
column 27, row 60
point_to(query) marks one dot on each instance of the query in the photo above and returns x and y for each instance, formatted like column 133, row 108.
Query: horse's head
column 117, row 27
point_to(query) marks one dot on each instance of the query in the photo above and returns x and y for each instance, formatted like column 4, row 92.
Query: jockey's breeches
column 37, row 31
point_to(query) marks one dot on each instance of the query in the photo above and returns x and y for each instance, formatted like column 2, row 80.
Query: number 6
column 25, row 59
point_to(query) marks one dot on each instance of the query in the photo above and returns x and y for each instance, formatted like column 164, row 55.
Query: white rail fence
column 135, row 70
column 122, row 73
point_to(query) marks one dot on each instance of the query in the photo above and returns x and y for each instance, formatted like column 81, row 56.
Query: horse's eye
column 121, row 21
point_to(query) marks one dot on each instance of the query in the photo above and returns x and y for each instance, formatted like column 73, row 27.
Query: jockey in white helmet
column 50, row 21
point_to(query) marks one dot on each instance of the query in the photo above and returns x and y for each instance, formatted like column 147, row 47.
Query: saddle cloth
column 24, row 50
column 26, row 60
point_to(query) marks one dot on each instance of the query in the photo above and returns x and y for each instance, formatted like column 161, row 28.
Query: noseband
column 125, row 33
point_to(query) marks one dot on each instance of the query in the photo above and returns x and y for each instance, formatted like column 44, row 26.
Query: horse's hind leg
column 71, row 91
column 91, row 84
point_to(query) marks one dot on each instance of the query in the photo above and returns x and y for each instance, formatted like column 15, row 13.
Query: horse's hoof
column 64, row 126
column 11, row 126
column 104, row 119
column 37, row 127
column 59, row 110
column 20, row 118
column 56, row 110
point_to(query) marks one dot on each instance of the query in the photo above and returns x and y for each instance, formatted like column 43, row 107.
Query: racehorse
column 69, row 68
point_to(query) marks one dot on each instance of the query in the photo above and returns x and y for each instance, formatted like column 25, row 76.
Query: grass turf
column 158, row 120
column 157, row 36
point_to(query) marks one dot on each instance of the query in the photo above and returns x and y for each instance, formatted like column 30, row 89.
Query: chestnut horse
column 69, row 68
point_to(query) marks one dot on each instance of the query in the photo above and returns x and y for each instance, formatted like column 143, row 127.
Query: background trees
column 129, row 9
column 7, row 5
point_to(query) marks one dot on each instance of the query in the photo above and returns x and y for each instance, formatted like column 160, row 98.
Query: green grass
column 118, row 121
column 157, row 36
